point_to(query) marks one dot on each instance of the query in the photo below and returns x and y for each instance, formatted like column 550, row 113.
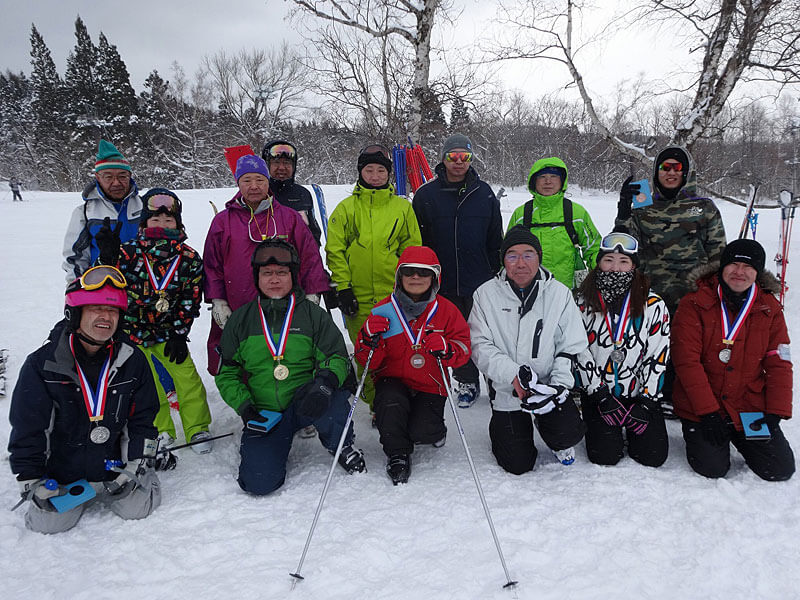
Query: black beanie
column 520, row 234
column 744, row 251
column 378, row 158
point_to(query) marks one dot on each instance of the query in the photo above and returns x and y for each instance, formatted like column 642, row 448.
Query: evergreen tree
column 116, row 104
column 459, row 115
column 16, row 126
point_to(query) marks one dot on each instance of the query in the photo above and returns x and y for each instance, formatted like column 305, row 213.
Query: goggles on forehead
column 458, row 156
column 619, row 242
column 678, row 167
column 376, row 149
column 282, row 151
column 278, row 255
column 163, row 202
column 98, row 276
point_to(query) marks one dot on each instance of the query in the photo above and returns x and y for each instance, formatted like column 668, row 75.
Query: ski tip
column 297, row 576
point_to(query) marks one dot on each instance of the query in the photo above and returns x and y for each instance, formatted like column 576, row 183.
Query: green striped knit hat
column 108, row 157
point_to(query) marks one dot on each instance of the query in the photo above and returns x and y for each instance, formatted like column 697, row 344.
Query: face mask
column 613, row 284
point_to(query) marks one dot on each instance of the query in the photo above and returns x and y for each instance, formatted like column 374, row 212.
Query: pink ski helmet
column 103, row 285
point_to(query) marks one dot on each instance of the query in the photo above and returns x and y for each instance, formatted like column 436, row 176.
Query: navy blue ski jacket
column 462, row 223
column 295, row 196
column 49, row 423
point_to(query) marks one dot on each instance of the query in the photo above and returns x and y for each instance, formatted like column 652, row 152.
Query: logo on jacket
column 695, row 211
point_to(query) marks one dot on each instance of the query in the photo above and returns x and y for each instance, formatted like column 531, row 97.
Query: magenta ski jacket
column 234, row 234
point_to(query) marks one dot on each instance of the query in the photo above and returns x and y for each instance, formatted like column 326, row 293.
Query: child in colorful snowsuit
column 165, row 283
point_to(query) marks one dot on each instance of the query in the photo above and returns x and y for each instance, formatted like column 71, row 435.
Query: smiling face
column 417, row 285
column 275, row 281
column 615, row 261
column 98, row 321
column 375, row 175
column 115, row 183
column 162, row 220
column 522, row 263
column 670, row 179
column 281, row 168
column 548, row 184
column 739, row 276
column 456, row 170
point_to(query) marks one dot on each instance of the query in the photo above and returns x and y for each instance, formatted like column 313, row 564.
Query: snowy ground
column 567, row 532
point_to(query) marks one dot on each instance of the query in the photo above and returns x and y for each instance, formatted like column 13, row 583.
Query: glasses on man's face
column 667, row 167
column 109, row 177
column 512, row 257
column 458, row 156
column 275, row 272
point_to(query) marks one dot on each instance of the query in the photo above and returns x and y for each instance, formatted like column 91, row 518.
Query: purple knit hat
column 250, row 163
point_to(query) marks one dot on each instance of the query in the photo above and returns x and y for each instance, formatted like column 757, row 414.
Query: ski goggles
column 282, row 151
column 97, row 277
column 619, row 242
column 667, row 167
column 273, row 254
column 418, row 271
column 458, row 156
column 376, row 149
column 163, row 203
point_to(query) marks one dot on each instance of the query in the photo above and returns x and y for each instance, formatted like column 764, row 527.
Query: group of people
column 572, row 331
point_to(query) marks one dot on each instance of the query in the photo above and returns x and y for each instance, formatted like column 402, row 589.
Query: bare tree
column 741, row 40
column 409, row 20
column 258, row 89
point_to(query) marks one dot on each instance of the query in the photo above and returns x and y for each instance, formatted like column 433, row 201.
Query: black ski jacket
column 293, row 195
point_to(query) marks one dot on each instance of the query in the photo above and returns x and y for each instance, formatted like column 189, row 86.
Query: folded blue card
column 644, row 197
column 387, row 310
column 754, row 432
column 272, row 417
column 78, row 492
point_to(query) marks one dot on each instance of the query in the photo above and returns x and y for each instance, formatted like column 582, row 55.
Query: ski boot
column 202, row 445
column 565, row 456
column 466, row 393
column 398, row 468
column 352, row 460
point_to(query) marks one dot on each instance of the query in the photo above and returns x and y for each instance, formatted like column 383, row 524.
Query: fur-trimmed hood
column 706, row 272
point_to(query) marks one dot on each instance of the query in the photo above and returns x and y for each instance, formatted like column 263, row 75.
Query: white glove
column 220, row 311
column 544, row 398
column 314, row 298
column 527, row 377
column 39, row 488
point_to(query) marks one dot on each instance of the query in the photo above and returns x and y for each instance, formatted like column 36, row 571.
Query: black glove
column 626, row 195
column 250, row 413
column 714, row 429
column 771, row 421
column 165, row 462
column 331, row 299
column 639, row 415
column 176, row 349
column 108, row 242
column 347, row 302
column 313, row 399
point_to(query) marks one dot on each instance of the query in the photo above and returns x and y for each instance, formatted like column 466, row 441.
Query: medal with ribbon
column 731, row 330
column 162, row 304
column 617, row 333
column 417, row 359
column 94, row 399
column 280, row 371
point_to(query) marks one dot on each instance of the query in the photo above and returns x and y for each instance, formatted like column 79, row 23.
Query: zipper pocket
column 389, row 239
column 537, row 334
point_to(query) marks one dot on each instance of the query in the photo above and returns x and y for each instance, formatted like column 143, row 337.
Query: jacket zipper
column 455, row 239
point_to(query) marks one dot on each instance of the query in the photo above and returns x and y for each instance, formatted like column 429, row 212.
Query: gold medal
column 280, row 372
column 162, row 305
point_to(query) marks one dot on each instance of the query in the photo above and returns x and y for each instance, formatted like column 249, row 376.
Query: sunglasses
column 282, row 151
column 376, row 149
column 418, row 271
column 667, row 167
column 163, row 202
column 98, row 276
column 619, row 242
column 458, row 156
column 512, row 258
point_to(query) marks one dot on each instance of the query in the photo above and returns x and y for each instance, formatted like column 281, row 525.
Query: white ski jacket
column 547, row 334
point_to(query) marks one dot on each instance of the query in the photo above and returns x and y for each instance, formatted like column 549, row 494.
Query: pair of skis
column 784, row 238
column 410, row 164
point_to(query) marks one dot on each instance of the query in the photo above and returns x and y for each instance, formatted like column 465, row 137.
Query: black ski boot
column 352, row 460
column 398, row 468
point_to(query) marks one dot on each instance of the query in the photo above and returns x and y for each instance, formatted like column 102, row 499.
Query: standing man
column 83, row 408
column 281, row 158
column 731, row 353
column 459, row 218
column 111, row 208
column 13, row 183
column 526, row 333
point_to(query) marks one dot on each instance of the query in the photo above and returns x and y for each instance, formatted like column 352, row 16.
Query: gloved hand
column 714, row 429
column 313, row 298
column 221, row 311
column 313, row 398
column 612, row 410
column 770, row 420
column 437, row 345
column 372, row 329
column 347, row 302
column 626, row 195
column 527, row 378
column 544, row 398
column 108, row 242
column 39, row 491
column 165, row 461
column 639, row 415
column 331, row 299
column 175, row 349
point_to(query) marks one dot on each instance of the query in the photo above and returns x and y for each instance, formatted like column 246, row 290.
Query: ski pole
column 509, row 582
column 296, row 573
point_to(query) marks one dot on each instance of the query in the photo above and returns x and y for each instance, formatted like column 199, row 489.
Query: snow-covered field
column 581, row 531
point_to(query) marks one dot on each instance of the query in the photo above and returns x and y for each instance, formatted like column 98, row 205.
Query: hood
column 689, row 187
column 707, row 275
column 543, row 163
column 419, row 256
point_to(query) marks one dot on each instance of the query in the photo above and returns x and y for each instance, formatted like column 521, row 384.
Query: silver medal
column 280, row 372
column 417, row 361
column 617, row 355
column 725, row 355
column 162, row 305
column 100, row 434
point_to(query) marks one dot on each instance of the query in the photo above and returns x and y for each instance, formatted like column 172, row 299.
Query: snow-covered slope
column 581, row 531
